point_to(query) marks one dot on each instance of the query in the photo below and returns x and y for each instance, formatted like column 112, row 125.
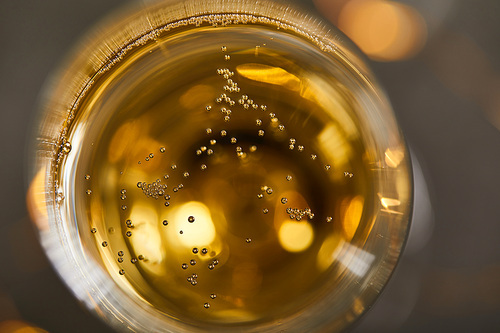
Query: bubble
column 189, row 278
column 208, row 107
column 120, row 253
column 292, row 141
column 165, row 222
column 167, row 203
column 300, row 148
column 244, row 97
column 215, row 262
column 327, row 167
column 124, row 207
column 120, row 260
column 329, row 219
column 123, row 191
column 284, row 200
column 206, row 305
column 174, row 166
column 204, row 250
column 140, row 257
column 151, row 155
column 313, row 156
column 111, row 230
column 253, row 148
column 248, row 240
column 166, row 176
column 198, row 152
column 128, row 223
column 258, row 122
column 66, row 147
column 269, row 190
column 288, row 177
column 246, row 106
column 260, row 195
column 208, row 131
column 213, row 142
column 93, row 230
column 223, row 133
column 185, row 174
column 128, row 233
column 162, row 149
column 203, row 167
column 195, row 250
column 89, row 192
column 139, row 184
column 192, row 262
column 184, row 266
column 298, row 218
column 291, row 147
column 104, row 244
column 87, row 177
column 194, row 282
column 281, row 127
column 292, row 216
column 210, row 152
column 263, row 107
column 227, row 57
column 261, row 132
column 175, row 189
column 133, row 260
column 123, row 197
column 166, row 197
column 213, row 296
column 348, row 174
column 147, row 159
column 211, row 266
column 181, row 232
column 121, row 271
column 265, row 210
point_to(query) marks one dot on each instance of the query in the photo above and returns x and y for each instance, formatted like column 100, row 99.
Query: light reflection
column 145, row 238
column 201, row 232
column 270, row 75
column 353, row 258
column 36, row 201
column 17, row 326
column 384, row 30
column 295, row 236
column 393, row 157
column 352, row 210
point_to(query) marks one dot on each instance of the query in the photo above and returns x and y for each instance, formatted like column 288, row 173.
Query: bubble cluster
column 298, row 214
column 193, row 279
column 153, row 190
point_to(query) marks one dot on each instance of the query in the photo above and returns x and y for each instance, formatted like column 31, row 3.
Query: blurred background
column 439, row 61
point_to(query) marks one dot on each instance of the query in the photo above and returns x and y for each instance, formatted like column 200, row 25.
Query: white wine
column 218, row 167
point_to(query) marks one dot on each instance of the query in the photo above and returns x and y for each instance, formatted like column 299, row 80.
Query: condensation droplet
column 261, row 132
column 167, row 204
column 174, row 166
column 120, row 253
column 227, row 57
column 208, row 107
column 120, row 260
column 124, row 207
column 300, row 148
column 260, row 195
column 281, row 127
column 151, row 155
column 204, row 250
column 223, row 48
column 133, row 260
column 211, row 266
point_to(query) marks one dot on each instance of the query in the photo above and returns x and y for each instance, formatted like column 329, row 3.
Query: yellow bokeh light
column 352, row 211
column 295, row 236
column 384, row 30
column 270, row 75
column 200, row 232
column 393, row 157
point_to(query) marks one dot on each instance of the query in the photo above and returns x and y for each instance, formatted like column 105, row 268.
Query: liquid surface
column 218, row 170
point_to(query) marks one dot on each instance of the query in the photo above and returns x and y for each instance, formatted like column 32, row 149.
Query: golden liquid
column 218, row 170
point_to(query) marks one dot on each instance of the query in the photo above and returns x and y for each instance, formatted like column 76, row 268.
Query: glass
column 134, row 122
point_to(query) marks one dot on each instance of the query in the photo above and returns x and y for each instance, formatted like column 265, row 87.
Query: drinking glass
column 220, row 165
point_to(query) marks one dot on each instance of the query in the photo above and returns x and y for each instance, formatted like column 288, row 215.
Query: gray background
column 447, row 100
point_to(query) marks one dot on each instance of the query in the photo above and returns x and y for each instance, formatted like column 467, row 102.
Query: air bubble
column 227, row 119
column 213, row 142
column 244, row 97
column 133, row 260
column 165, row 222
column 269, row 190
column 227, row 57
column 151, row 155
column 204, row 250
column 120, row 260
column 129, row 223
column 121, row 271
column 162, row 149
column 199, row 152
column 195, row 250
column 208, row 107
column 292, row 141
column 192, row 262
column 139, row 184
column 206, row 305
column 281, row 127
column 258, row 122
column 284, row 200
column 184, row 266
column 174, row 166
column 203, row 167
column 87, row 177
column 253, row 148
column 300, row 148
column 124, row 207
column 291, row 147
column 260, row 195
column 211, row 266
column 313, row 157
column 248, row 240
column 213, row 296
column 261, row 132
column 233, row 140
column 120, row 253
column 208, row 131
column 93, row 230
column 185, row 174
column 327, row 167
column 181, row 232
column 288, row 177
column 329, row 219
column 89, row 192
column 128, row 233
column 147, row 158
column 123, row 197
column 191, row 219
column 223, row 133
column 140, row 257
column 66, row 148
column 104, row 244
column 265, row 211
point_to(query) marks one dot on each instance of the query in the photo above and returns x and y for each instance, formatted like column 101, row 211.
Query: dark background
column 447, row 99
